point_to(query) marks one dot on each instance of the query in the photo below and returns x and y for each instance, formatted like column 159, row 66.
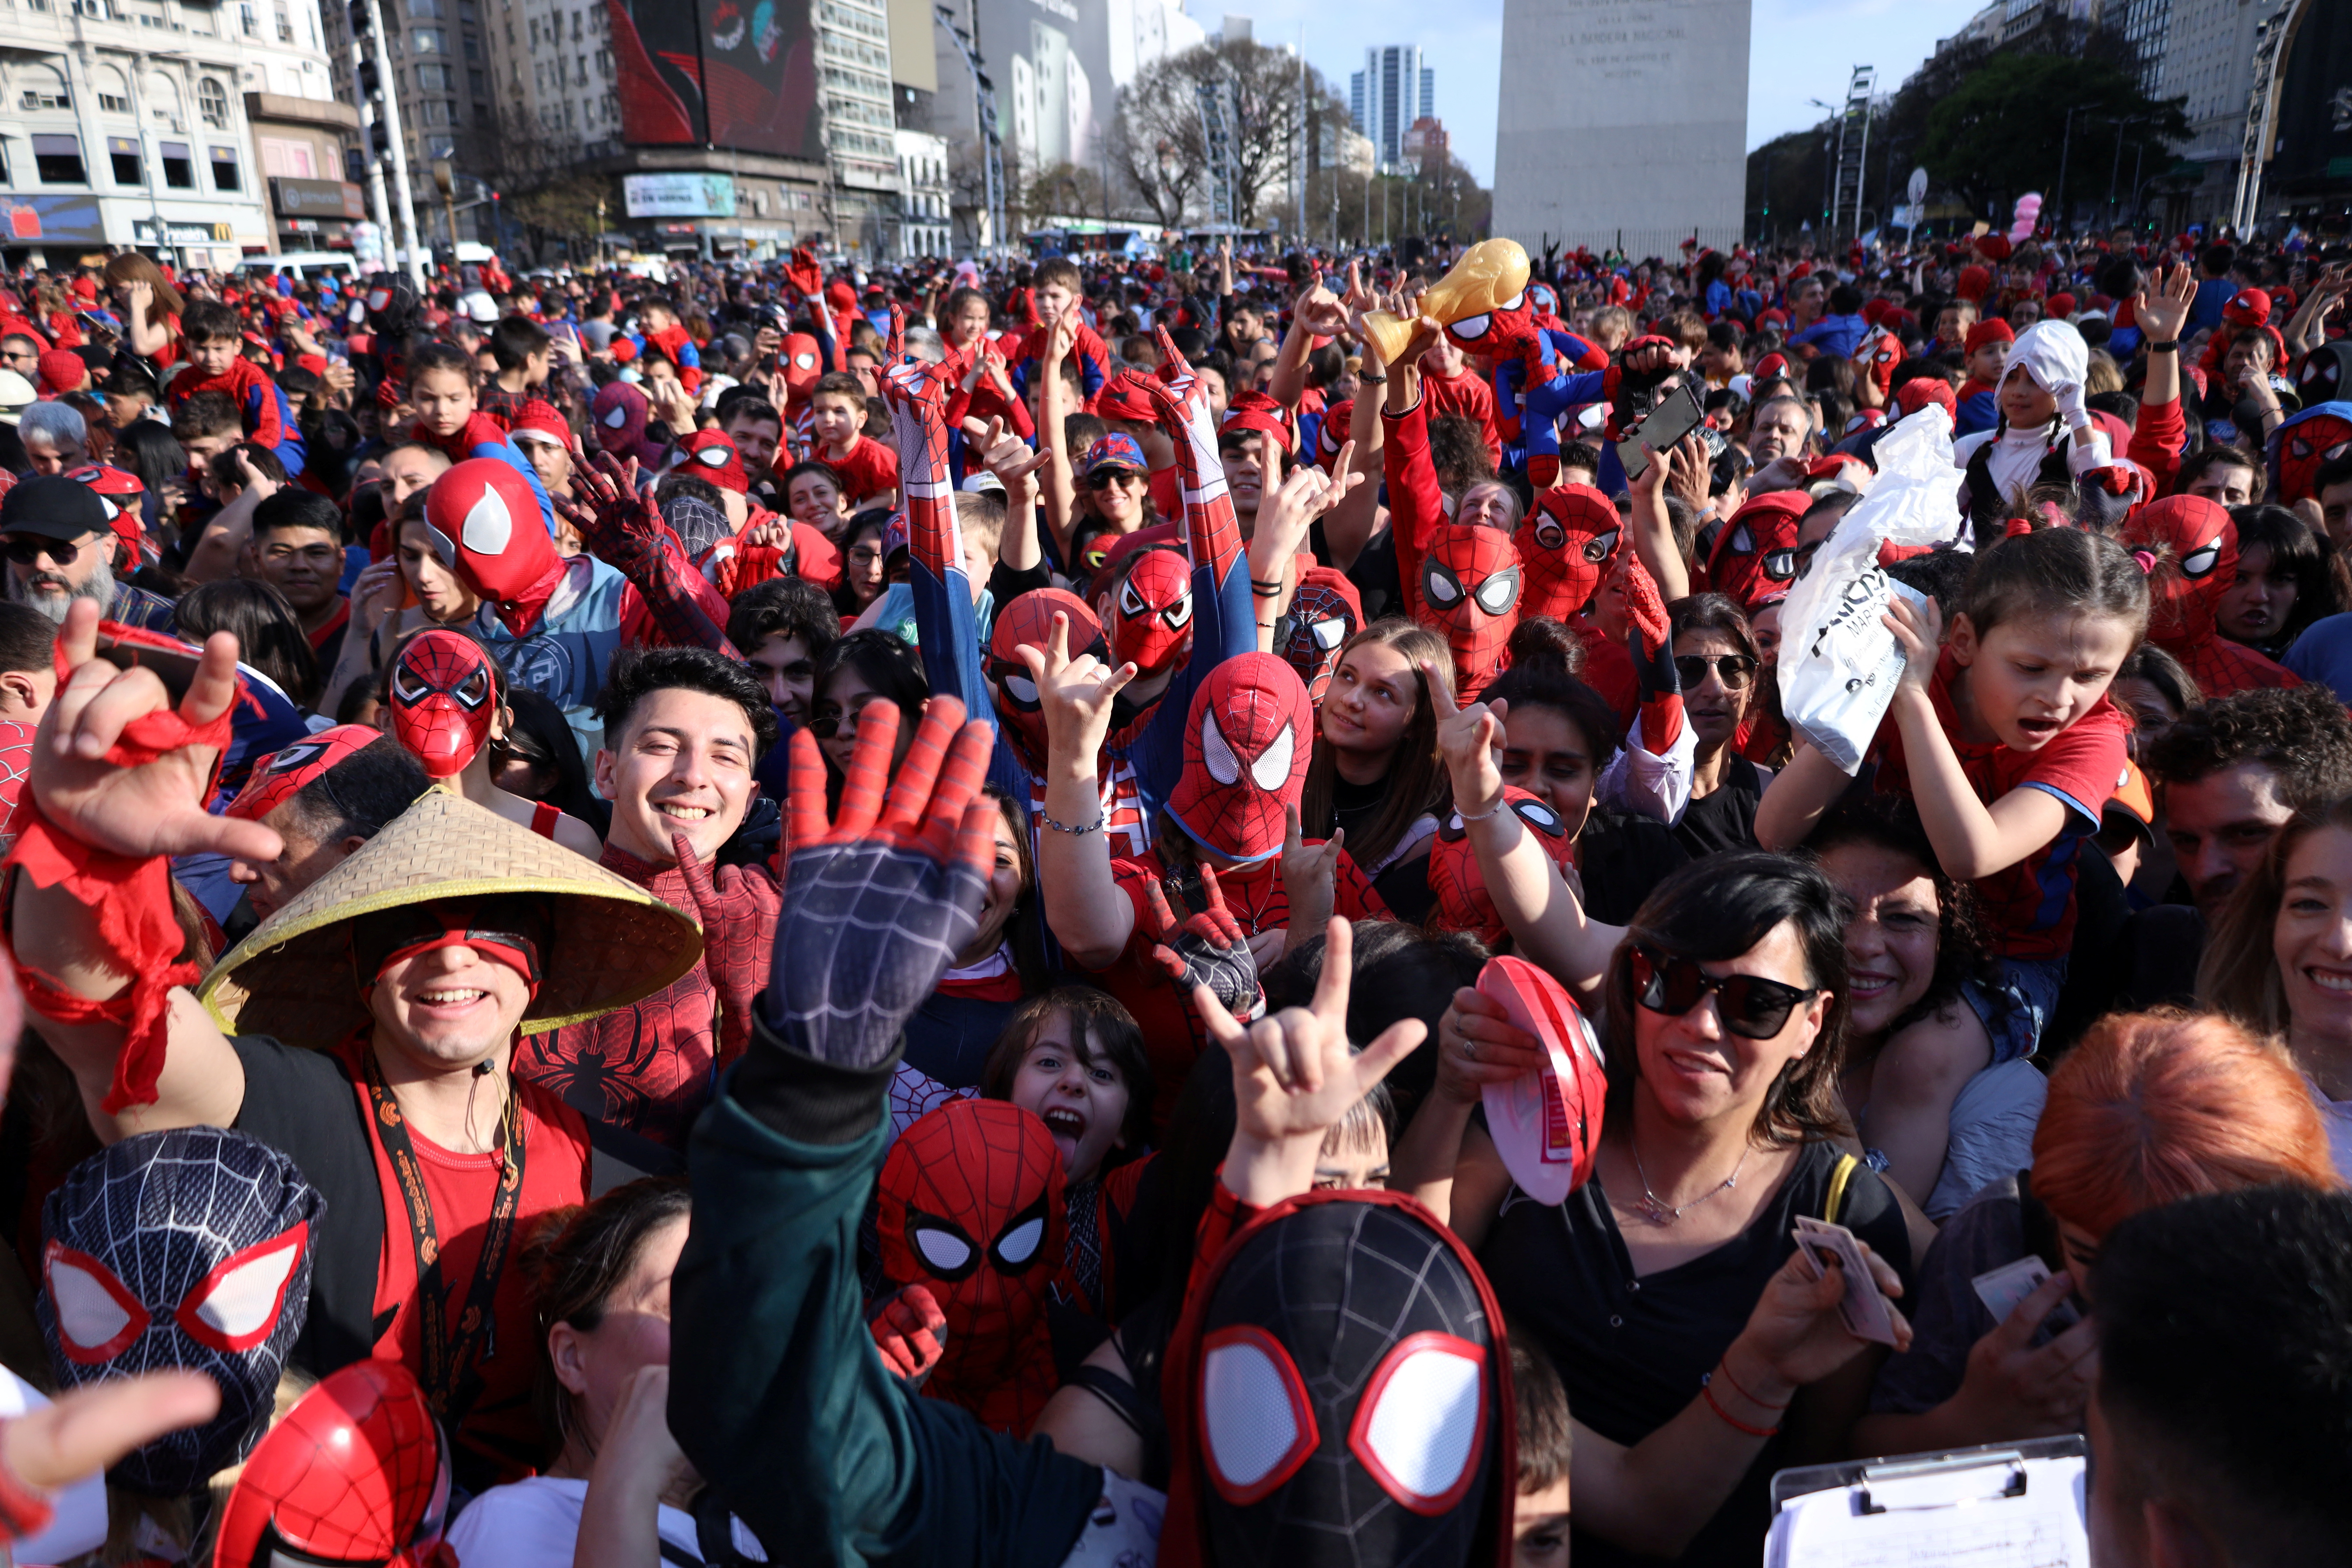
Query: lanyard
column 447, row 1375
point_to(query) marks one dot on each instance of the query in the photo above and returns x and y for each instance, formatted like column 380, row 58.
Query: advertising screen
column 739, row 74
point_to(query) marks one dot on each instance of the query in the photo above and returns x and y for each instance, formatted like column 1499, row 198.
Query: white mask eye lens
column 1272, row 768
column 1421, row 1425
column 1256, row 1423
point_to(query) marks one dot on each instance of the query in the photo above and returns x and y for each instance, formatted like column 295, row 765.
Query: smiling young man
column 683, row 730
column 374, row 1019
column 298, row 537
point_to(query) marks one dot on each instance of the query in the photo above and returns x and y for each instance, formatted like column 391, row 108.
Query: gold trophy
column 1491, row 274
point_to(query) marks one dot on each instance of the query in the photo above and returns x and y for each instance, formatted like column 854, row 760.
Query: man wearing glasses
column 21, row 354
column 61, row 546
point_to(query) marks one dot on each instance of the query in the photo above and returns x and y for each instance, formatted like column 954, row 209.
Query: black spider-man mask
column 188, row 1249
column 1347, row 1399
column 2326, row 373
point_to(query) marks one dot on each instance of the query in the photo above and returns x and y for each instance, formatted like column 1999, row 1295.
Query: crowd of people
column 1089, row 910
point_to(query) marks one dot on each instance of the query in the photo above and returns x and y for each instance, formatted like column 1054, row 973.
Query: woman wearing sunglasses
column 1653, row 1285
column 1721, row 672
column 861, row 668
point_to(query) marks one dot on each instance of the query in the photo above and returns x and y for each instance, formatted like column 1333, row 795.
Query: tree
column 1064, row 190
column 1161, row 148
column 2000, row 134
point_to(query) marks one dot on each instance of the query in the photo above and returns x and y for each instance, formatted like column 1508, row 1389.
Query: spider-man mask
column 1505, row 333
column 188, row 1249
column 285, row 774
column 1757, row 551
column 1876, row 358
column 2308, row 442
column 2200, row 542
column 1463, row 902
column 2326, row 373
column 1345, row 1396
column 487, row 525
column 1566, row 545
column 971, row 1208
column 1247, row 738
column 1029, row 620
column 1324, row 614
column 357, row 1474
column 444, row 697
column 709, row 455
column 1151, row 614
column 1470, row 594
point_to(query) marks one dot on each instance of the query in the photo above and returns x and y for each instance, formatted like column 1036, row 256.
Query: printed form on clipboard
column 2011, row 1505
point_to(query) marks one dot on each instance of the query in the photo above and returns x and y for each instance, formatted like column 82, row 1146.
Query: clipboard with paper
column 2007, row 1505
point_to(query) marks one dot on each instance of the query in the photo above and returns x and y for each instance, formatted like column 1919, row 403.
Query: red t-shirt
column 502, row 1427
column 2029, row 909
column 1465, row 397
column 867, row 469
column 1255, row 897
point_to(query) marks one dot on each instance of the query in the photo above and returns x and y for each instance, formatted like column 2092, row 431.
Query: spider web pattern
column 161, row 1211
column 918, row 399
column 1471, row 555
column 1251, row 701
column 1560, row 575
column 353, row 1475
column 984, row 1167
column 869, row 931
column 1339, row 1286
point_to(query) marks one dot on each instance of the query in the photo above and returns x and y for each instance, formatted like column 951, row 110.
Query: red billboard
column 739, row 74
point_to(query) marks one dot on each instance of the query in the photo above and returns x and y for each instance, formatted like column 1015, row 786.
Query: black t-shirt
column 1620, row 856
column 302, row 1104
column 1726, row 819
column 1633, row 1352
column 1373, row 572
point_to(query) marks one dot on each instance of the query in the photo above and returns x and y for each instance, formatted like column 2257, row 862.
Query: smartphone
column 174, row 663
column 1677, row 413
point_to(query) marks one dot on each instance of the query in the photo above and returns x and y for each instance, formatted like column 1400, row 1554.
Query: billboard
column 739, row 74
column 2314, row 150
column 679, row 195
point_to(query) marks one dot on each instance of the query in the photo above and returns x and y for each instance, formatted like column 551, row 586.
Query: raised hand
column 1477, row 1044
column 1209, row 948
column 1650, row 641
column 1008, row 457
column 733, row 952
column 1466, row 737
column 1294, row 1077
column 1075, row 694
column 1309, row 872
column 879, row 897
column 606, row 506
column 2161, row 312
column 1920, row 630
column 116, row 768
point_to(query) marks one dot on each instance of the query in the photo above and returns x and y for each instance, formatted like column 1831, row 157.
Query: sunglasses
column 1753, row 1008
column 27, row 550
column 1734, row 670
column 1103, row 479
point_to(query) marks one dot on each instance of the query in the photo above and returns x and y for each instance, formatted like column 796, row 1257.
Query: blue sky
column 1802, row 49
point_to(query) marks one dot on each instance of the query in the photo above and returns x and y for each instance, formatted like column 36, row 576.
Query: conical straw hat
column 613, row 942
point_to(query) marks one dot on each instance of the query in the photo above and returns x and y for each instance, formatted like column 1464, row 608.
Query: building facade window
column 211, row 102
column 122, row 156
column 226, row 177
column 179, row 166
column 58, row 160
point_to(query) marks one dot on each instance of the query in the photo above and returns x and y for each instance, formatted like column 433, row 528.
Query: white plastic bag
column 1839, row 665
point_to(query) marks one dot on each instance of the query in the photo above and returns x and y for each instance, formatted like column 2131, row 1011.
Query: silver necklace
column 1659, row 1212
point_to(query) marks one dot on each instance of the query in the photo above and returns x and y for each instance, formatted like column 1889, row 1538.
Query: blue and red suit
column 268, row 418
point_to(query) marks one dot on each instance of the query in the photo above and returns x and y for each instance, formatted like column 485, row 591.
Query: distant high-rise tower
column 1393, row 91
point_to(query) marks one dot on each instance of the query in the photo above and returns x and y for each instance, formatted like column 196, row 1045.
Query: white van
column 304, row 263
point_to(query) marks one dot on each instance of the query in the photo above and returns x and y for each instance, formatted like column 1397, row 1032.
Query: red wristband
column 1708, row 1393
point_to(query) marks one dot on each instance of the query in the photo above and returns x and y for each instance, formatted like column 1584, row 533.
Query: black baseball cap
column 52, row 506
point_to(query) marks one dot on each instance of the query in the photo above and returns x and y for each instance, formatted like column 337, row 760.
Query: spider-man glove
column 622, row 526
column 1632, row 393
column 738, row 934
column 1651, row 644
column 910, row 1331
column 1208, row 949
column 880, row 899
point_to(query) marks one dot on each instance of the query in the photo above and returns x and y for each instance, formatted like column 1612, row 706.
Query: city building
column 860, row 123
column 926, row 217
column 552, row 61
column 139, row 123
column 1425, row 143
column 441, row 81
column 2206, row 59
column 1394, row 89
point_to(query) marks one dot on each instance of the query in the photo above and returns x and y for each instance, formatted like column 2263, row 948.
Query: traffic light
column 363, row 19
column 380, row 139
column 371, row 83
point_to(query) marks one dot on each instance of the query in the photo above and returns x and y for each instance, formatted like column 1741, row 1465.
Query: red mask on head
column 1463, row 902
column 487, row 525
column 971, row 1208
column 709, row 455
column 1507, row 332
column 1567, row 543
column 2304, row 448
column 1470, row 595
column 444, row 696
column 1247, row 738
column 1755, row 553
column 358, row 1472
column 1324, row 614
column 1151, row 614
column 1029, row 619
column 2200, row 544
column 284, row 774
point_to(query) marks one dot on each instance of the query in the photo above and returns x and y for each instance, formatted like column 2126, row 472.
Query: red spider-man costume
column 709, row 455
column 1755, row 551
column 1028, row 621
column 2196, row 548
column 357, row 1474
column 488, row 525
column 971, row 1210
column 444, row 698
column 1151, row 614
column 1463, row 902
column 1565, row 546
column 285, row 773
column 1325, row 612
column 1247, row 738
column 1461, row 582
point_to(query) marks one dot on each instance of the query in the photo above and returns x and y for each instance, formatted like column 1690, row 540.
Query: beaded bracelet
column 1500, row 802
column 1093, row 827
